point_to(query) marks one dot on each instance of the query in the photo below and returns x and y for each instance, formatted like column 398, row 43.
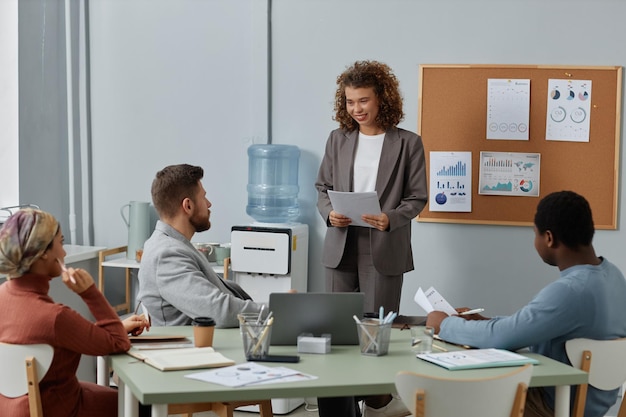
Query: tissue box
column 307, row 343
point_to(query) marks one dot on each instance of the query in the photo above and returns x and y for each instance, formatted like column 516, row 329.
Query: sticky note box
column 307, row 343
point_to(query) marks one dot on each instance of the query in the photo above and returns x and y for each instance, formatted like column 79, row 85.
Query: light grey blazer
column 177, row 283
column 402, row 191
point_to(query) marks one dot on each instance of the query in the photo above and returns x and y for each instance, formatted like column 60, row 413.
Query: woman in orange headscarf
column 31, row 254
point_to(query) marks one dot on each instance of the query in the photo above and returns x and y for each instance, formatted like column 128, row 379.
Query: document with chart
column 450, row 181
column 476, row 358
column 509, row 173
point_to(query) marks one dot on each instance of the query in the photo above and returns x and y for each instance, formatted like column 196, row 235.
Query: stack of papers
column 176, row 359
column 354, row 205
column 477, row 358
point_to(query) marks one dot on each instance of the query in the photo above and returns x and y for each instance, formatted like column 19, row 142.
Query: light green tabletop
column 343, row 371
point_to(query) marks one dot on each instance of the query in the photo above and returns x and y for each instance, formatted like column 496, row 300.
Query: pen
column 64, row 269
column 258, row 320
column 262, row 336
column 389, row 318
column 474, row 311
column 439, row 348
column 381, row 314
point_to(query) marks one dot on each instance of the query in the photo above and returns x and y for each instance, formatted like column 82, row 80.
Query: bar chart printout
column 450, row 181
column 509, row 173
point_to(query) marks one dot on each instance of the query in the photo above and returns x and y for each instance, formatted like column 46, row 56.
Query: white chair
column 498, row 396
column 607, row 370
column 23, row 366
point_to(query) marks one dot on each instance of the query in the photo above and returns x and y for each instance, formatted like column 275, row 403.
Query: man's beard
column 200, row 225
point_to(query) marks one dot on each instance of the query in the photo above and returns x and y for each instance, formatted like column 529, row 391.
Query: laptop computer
column 315, row 313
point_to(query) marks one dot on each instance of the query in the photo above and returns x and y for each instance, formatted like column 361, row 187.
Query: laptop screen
column 317, row 314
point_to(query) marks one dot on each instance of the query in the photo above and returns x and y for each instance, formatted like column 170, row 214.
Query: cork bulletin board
column 452, row 117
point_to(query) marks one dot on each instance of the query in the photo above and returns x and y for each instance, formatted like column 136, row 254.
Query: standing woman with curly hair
column 368, row 152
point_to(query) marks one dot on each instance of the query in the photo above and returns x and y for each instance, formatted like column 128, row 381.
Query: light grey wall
column 175, row 82
column 490, row 266
column 184, row 81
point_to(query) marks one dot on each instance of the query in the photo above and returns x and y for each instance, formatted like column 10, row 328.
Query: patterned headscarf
column 24, row 238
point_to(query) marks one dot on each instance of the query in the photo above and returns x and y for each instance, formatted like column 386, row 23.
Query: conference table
column 342, row 372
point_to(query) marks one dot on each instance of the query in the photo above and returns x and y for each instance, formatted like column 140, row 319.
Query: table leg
column 561, row 401
column 102, row 371
column 130, row 403
column 159, row 410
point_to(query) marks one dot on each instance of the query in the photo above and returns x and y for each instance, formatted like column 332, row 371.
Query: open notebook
column 186, row 358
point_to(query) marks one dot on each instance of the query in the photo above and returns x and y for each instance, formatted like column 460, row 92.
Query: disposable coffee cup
column 203, row 329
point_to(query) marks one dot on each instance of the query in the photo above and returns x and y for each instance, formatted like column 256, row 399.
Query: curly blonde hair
column 364, row 74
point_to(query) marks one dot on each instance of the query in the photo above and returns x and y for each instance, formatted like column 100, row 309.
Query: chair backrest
column 604, row 361
column 498, row 396
column 23, row 367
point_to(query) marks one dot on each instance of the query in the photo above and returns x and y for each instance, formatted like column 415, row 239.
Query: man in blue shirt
column 595, row 287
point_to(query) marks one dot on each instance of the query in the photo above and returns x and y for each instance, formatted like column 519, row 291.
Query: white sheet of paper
column 431, row 300
column 249, row 373
column 354, row 205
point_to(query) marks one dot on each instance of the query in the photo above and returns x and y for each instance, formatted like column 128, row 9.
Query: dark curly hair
column 363, row 74
column 568, row 216
column 172, row 185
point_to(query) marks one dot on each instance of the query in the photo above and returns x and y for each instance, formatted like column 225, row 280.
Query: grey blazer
column 177, row 283
column 402, row 191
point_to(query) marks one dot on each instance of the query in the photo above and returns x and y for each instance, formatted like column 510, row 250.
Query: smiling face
column 362, row 105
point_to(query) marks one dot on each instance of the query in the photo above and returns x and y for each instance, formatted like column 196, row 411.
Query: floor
column 305, row 410
column 309, row 410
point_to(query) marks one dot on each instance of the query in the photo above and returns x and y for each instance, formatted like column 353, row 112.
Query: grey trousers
column 356, row 273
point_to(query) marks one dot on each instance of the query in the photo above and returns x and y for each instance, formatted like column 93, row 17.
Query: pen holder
column 256, row 338
column 374, row 337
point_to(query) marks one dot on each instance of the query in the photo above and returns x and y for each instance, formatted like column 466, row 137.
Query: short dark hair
column 172, row 185
column 365, row 74
column 568, row 216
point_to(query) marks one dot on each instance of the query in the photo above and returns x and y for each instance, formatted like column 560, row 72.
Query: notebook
column 315, row 313
column 184, row 358
column 476, row 358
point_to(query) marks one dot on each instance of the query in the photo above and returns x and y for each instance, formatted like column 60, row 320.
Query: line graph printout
column 569, row 104
column 509, row 173
column 508, row 108
column 450, row 181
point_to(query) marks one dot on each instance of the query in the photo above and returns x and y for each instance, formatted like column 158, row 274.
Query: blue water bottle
column 273, row 183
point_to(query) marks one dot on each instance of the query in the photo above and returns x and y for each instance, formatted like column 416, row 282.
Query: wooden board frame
column 452, row 117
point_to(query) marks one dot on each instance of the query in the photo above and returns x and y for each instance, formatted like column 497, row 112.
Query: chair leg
column 223, row 409
column 580, row 399
column 265, row 409
column 34, row 396
column 420, row 402
column 622, row 408
column 520, row 400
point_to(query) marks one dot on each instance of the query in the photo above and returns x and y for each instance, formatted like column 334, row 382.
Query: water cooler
column 267, row 258
column 271, row 254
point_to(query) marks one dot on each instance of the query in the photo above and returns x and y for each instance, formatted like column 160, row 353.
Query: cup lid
column 203, row 321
